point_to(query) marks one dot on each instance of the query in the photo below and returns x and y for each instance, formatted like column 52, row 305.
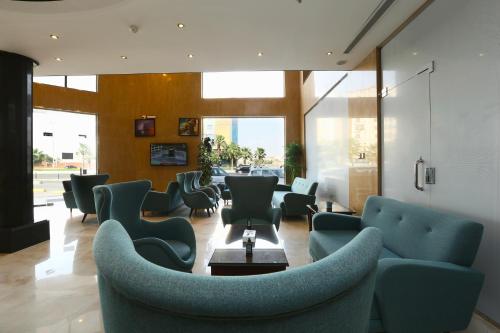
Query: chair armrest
column 282, row 187
column 197, row 199
column 293, row 199
column 176, row 228
column 275, row 216
column 334, row 221
column 156, row 201
column 426, row 296
column 161, row 253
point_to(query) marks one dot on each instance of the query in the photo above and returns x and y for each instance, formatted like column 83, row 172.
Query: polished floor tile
column 52, row 286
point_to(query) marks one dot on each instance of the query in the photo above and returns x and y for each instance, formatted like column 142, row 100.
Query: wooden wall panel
column 123, row 98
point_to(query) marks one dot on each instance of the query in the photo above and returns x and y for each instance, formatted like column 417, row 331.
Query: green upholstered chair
column 170, row 243
column 293, row 199
column 212, row 191
column 251, row 200
column 164, row 202
column 82, row 190
column 68, row 196
column 331, row 295
column 193, row 199
column 424, row 279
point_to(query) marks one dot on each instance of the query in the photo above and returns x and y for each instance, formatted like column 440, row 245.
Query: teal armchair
column 293, row 199
column 68, row 196
column 331, row 295
column 212, row 191
column 251, row 200
column 424, row 279
column 193, row 199
column 164, row 202
column 170, row 243
column 82, row 190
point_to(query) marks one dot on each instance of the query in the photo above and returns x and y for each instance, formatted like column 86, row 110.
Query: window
column 52, row 80
column 79, row 82
column 263, row 84
column 87, row 83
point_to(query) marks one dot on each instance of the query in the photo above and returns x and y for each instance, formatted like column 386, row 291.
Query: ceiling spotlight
column 58, row 59
column 329, row 53
column 341, row 62
column 190, row 56
column 133, row 29
column 415, row 53
column 260, row 54
column 124, row 57
column 54, row 36
column 180, row 25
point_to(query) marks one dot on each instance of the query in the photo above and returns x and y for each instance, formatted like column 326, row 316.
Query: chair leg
column 191, row 212
column 208, row 212
column 84, row 217
column 71, row 211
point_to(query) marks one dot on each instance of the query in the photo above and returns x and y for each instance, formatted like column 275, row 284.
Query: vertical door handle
column 417, row 163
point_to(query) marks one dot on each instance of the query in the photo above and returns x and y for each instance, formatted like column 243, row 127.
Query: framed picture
column 189, row 126
column 145, row 127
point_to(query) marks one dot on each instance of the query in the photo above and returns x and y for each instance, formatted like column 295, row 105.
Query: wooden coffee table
column 229, row 257
column 321, row 207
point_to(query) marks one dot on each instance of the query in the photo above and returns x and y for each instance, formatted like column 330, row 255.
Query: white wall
column 462, row 37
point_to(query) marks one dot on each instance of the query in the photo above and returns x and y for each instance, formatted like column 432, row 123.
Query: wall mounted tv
column 168, row 154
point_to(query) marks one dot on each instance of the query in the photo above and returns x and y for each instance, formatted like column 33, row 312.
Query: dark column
column 17, row 227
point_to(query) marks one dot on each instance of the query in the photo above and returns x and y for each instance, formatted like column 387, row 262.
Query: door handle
column 417, row 163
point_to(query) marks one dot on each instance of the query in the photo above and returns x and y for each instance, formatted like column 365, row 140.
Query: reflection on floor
column 52, row 287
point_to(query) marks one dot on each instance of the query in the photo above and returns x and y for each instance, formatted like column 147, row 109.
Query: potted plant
column 293, row 161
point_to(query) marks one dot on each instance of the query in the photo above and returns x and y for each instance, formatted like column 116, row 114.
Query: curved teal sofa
column 330, row 295
column 424, row 279
column 163, row 202
column 169, row 243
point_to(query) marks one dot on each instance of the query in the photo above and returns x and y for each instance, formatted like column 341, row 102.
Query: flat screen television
column 168, row 154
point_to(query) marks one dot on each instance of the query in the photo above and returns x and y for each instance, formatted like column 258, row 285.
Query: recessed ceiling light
column 124, row 57
column 180, row 25
column 415, row 53
column 190, row 55
column 58, row 59
column 329, row 53
column 54, row 36
column 481, row 54
column 260, row 54
column 341, row 62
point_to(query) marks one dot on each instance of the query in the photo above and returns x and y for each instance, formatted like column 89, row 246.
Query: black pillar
column 17, row 227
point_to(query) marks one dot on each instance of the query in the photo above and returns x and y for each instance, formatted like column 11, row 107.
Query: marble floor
column 52, row 286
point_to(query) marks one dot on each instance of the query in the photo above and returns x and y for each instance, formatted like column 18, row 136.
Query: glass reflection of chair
column 251, row 201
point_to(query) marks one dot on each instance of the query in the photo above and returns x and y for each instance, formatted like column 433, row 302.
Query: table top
column 268, row 249
column 266, row 237
column 336, row 208
column 260, row 257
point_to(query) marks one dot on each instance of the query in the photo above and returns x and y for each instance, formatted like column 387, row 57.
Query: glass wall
column 263, row 84
column 63, row 143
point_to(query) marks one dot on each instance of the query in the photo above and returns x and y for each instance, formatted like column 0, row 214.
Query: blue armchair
column 424, row 280
column 164, row 202
column 82, row 190
column 293, row 199
column 193, row 199
column 137, row 296
column 251, row 200
column 212, row 191
column 68, row 196
column 170, row 243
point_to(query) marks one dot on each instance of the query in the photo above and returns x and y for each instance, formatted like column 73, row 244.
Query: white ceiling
column 222, row 35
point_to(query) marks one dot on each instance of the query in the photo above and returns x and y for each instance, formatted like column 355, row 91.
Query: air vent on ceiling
column 370, row 22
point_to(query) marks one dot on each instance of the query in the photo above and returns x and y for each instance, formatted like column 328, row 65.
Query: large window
column 247, row 145
column 63, row 143
column 80, row 82
column 263, row 84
